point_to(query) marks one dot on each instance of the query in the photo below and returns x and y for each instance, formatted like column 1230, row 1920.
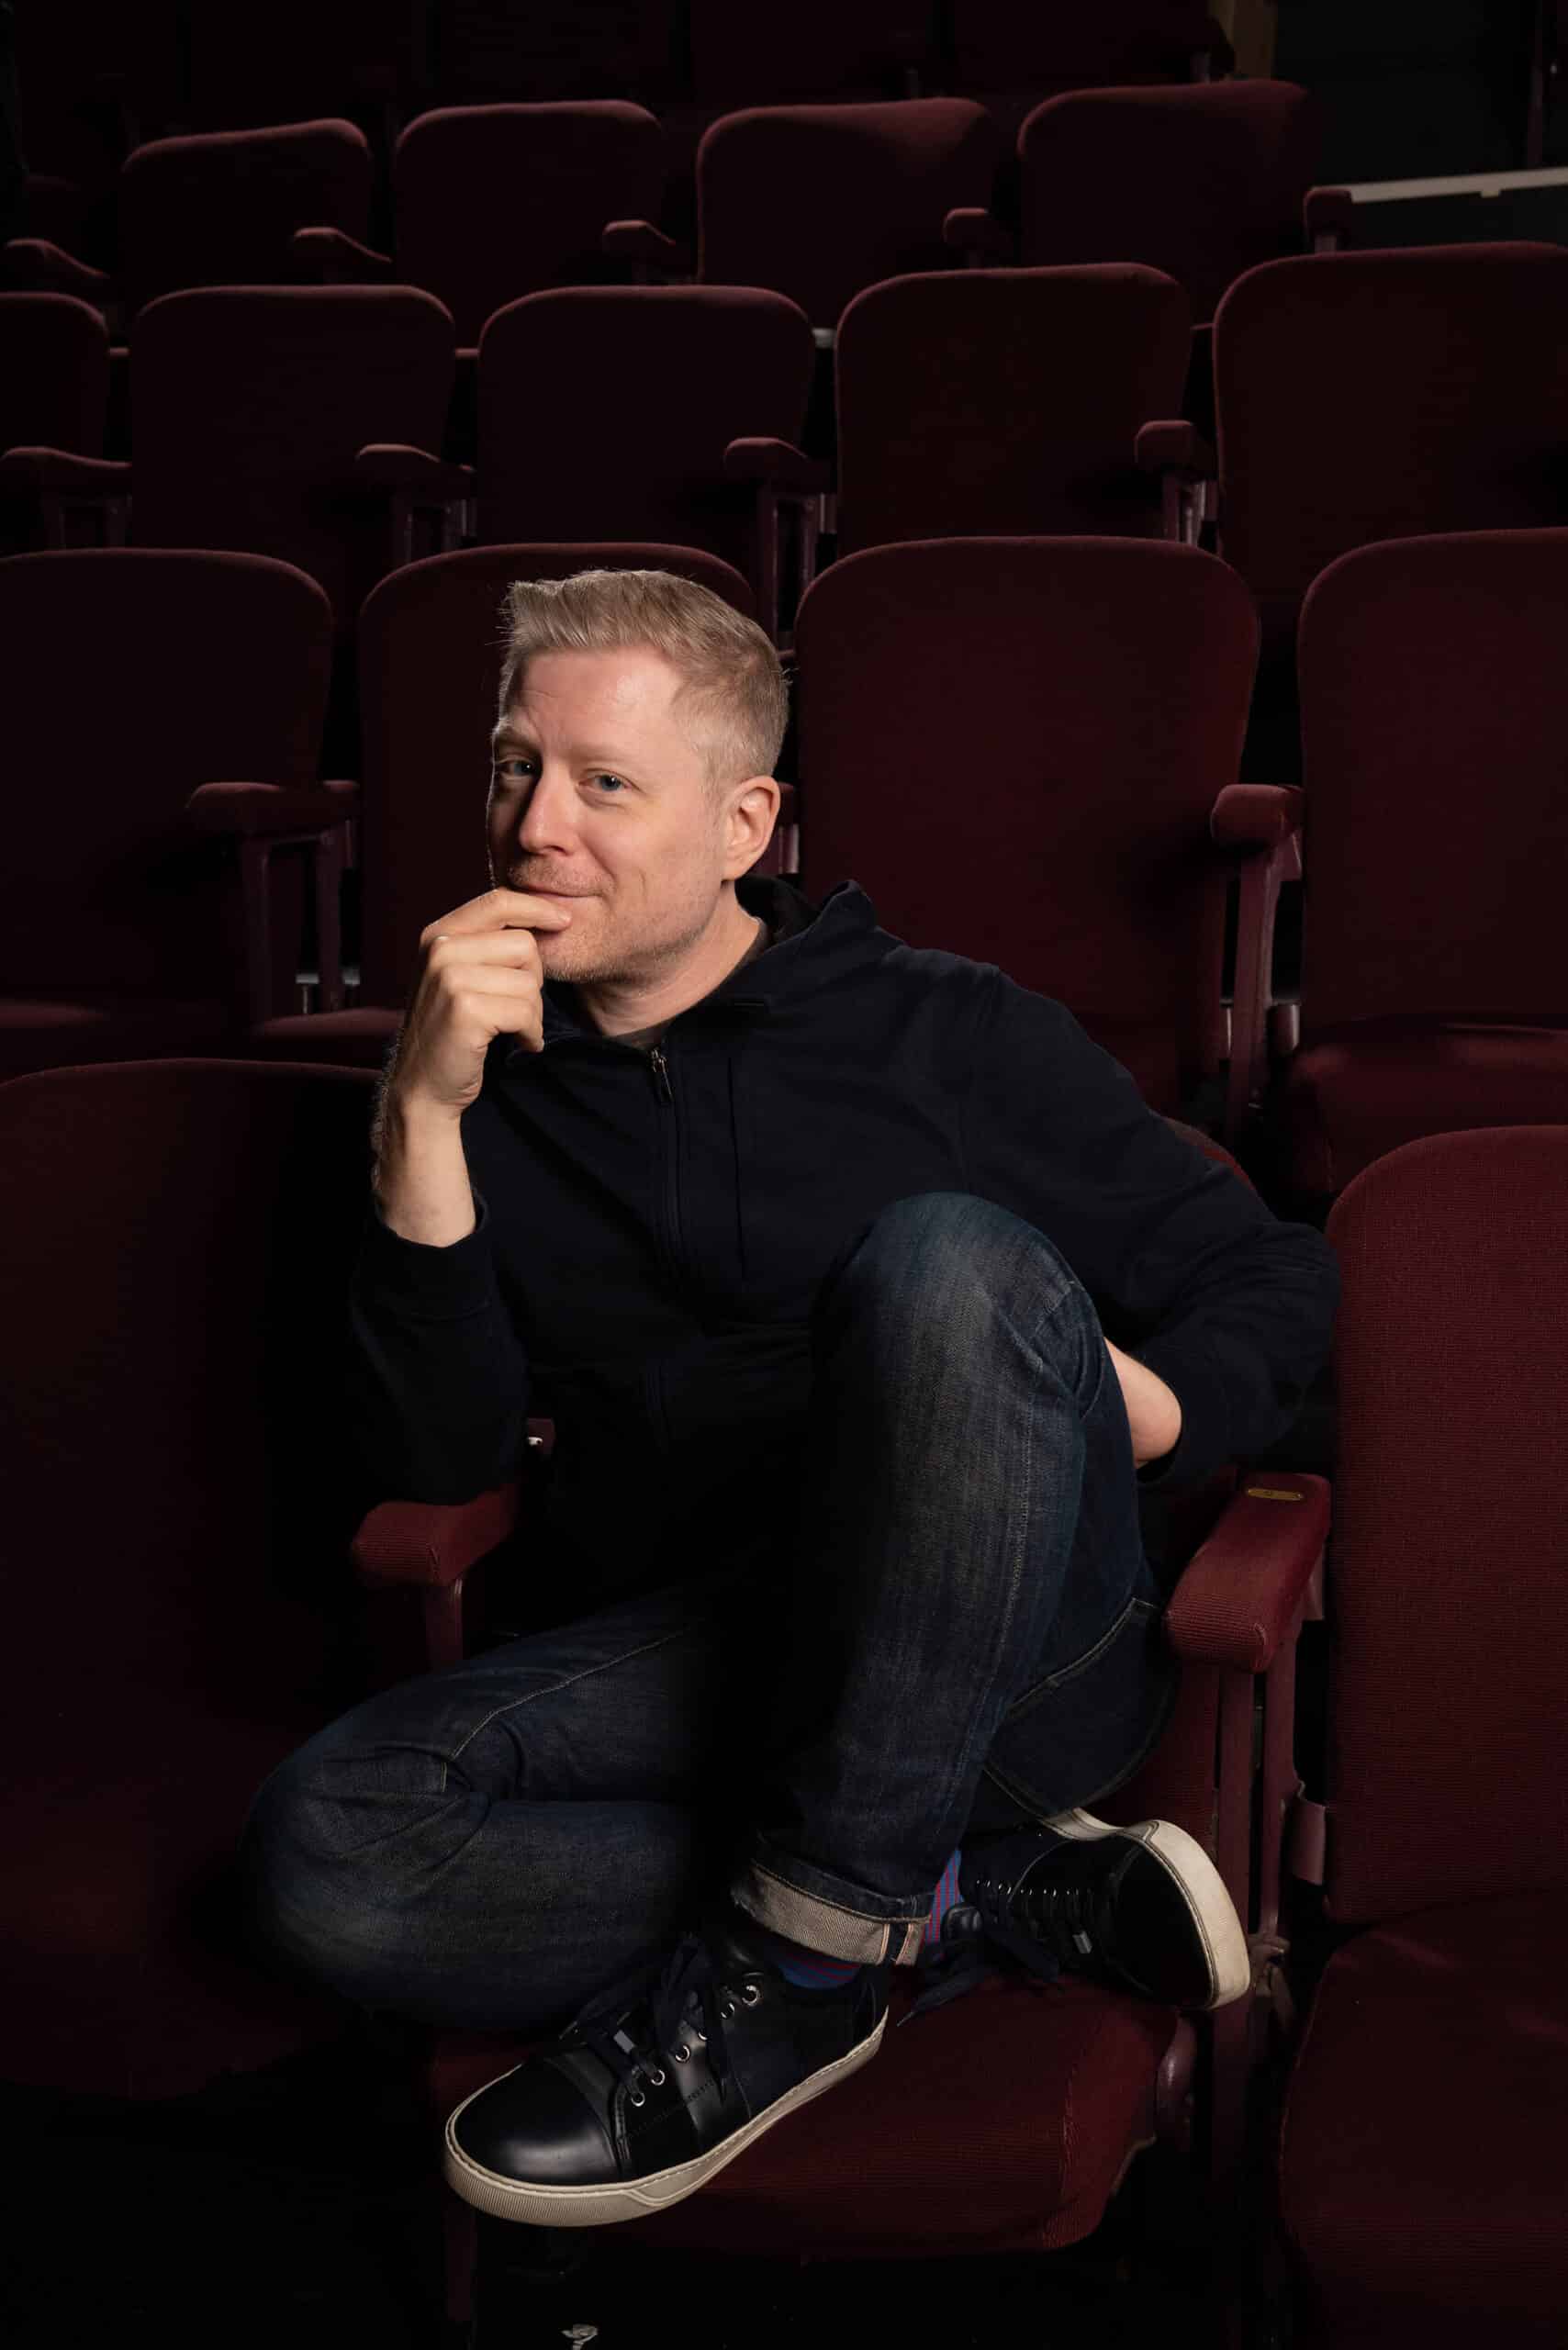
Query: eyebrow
column 505, row 737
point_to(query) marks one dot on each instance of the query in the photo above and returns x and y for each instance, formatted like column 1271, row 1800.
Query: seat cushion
column 1000, row 2122
column 1354, row 1094
column 46, row 1031
column 126, row 1971
column 360, row 1037
column 1421, row 2154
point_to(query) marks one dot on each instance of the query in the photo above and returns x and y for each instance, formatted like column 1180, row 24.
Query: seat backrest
column 54, row 384
column 553, row 174
column 1016, row 44
column 1199, row 179
column 178, row 1511
column 1446, row 1582
column 1378, row 395
column 1005, row 400
column 818, row 201
column 130, row 677
column 430, row 650
column 604, row 412
column 1049, row 815
column 1434, row 718
column 249, row 404
column 218, row 208
column 830, row 47
column 176, row 1344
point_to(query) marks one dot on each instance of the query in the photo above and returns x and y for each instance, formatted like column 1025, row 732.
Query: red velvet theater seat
column 214, row 208
column 817, row 202
column 1201, row 179
column 54, row 390
column 1434, row 710
column 1005, row 402
column 431, row 645
column 1063, row 824
column 178, row 1614
column 131, row 680
column 1421, row 2167
column 565, row 454
column 555, row 174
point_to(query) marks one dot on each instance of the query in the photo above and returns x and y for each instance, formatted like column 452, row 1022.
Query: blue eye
column 608, row 779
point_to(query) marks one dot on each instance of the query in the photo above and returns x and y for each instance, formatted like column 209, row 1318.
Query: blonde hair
column 733, row 692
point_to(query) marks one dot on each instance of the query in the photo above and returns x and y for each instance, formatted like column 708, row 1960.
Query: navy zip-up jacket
column 652, row 1223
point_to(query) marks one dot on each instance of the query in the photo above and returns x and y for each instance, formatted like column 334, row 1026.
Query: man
column 802, row 1238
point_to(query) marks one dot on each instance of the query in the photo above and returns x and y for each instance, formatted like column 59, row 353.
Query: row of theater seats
column 172, row 1444
column 1074, row 814
column 813, row 202
column 1357, row 396
column 93, row 75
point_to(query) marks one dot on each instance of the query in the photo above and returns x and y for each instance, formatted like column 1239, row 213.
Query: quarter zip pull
column 661, row 1072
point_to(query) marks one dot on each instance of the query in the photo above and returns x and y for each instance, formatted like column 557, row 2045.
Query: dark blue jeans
column 954, row 1627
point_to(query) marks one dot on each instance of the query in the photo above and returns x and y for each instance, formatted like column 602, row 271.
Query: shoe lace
column 631, row 2023
column 1066, row 1926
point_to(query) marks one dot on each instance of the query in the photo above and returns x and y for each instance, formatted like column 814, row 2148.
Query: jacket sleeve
column 436, row 1379
column 1188, row 1268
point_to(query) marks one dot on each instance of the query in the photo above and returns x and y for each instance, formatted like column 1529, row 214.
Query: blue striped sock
column 815, row 1971
column 942, row 1900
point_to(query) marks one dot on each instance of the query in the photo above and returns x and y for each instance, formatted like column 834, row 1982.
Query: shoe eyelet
column 726, row 2007
column 655, row 2080
column 750, row 1995
column 701, row 2035
column 682, row 2054
column 635, row 2096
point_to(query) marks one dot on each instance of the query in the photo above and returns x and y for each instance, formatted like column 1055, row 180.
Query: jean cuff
column 826, row 1913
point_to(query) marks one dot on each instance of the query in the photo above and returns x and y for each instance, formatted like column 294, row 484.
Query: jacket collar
column 816, row 945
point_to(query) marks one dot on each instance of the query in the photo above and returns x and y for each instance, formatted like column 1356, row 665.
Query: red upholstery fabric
column 1445, row 1578
column 1201, row 179
column 54, row 386
column 178, row 1608
column 1003, row 400
column 1117, row 679
column 820, row 201
column 189, row 666
column 431, row 645
column 1380, row 394
column 1434, row 707
column 218, row 208
column 249, row 404
column 1421, row 2154
column 564, row 453
column 553, row 174
column 1004, row 2120
column 1355, row 1093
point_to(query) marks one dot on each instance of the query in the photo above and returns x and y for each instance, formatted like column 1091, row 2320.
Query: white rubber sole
column 1201, row 1887
column 631, row 2199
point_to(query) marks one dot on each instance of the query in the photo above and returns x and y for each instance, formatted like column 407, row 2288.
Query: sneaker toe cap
column 535, row 2124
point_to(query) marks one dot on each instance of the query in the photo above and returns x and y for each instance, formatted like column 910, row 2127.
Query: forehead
column 631, row 690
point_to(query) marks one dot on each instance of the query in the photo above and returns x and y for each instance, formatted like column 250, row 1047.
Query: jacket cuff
column 434, row 1284
column 1182, row 1360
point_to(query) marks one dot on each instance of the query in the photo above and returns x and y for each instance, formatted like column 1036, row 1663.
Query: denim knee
column 930, row 1249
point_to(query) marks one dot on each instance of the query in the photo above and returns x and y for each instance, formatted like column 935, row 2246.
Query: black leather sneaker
column 659, row 2082
column 1142, row 1908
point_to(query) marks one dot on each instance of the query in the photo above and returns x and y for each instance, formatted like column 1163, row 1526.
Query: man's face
column 599, row 793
